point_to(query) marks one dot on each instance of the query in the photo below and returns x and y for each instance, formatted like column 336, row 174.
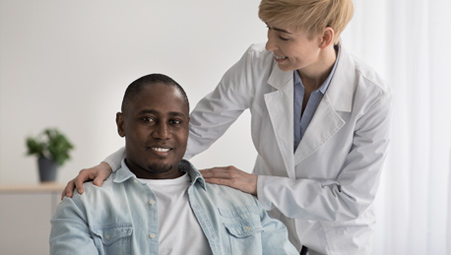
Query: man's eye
column 148, row 119
column 175, row 122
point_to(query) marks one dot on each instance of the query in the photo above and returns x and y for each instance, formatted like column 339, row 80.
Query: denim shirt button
column 152, row 235
column 247, row 228
column 107, row 237
column 152, row 202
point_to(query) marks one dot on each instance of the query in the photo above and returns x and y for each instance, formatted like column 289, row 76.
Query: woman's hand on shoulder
column 97, row 174
column 232, row 177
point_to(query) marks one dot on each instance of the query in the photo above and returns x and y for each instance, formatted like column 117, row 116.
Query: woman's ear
column 327, row 37
column 120, row 124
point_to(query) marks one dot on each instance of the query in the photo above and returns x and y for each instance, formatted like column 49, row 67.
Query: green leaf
column 50, row 143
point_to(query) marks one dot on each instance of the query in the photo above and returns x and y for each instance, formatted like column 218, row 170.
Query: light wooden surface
column 40, row 187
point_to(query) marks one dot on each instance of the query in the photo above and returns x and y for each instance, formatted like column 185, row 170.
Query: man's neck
column 150, row 172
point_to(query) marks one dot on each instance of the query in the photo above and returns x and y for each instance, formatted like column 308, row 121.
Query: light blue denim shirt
column 117, row 218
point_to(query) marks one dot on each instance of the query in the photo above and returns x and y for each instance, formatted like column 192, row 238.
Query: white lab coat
column 323, row 192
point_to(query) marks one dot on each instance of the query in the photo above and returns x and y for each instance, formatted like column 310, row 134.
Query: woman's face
column 293, row 49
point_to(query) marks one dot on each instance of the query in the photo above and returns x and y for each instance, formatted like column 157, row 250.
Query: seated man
column 157, row 203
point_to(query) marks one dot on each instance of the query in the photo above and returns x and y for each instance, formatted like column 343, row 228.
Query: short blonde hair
column 313, row 16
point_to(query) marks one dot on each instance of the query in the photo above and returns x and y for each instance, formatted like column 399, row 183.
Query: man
column 157, row 203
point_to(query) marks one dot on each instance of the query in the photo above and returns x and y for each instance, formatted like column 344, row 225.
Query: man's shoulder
column 228, row 194
column 92, row 192
column 107, row 184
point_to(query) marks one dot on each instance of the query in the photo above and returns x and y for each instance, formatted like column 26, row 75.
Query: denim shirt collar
column 124, row 173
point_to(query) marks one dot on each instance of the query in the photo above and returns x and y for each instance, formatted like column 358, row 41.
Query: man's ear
column 120, row 124
column 327, row 37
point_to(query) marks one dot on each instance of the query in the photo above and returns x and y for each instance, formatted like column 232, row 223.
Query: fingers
column 232, row 177
column 104, row 171
column 98, row 181
column 78, row 181
column 219, row 172
column 218, row 175
column 67, row 192
column 222, row 181
column 75, row 183
column 98, row 173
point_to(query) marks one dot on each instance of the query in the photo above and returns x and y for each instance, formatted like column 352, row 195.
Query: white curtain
column 408, row 43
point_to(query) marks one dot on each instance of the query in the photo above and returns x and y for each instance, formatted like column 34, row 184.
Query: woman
column 320, row 123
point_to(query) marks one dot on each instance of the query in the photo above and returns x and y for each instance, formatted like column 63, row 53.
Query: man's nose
column 161, row 131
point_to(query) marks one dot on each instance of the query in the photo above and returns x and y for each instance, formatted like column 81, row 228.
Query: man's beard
column 160, row 168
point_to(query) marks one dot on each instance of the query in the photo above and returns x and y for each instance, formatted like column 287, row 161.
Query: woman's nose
column 270, row 45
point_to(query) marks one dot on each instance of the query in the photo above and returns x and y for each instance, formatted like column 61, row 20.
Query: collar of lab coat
column 341, row 89
column 326, row 121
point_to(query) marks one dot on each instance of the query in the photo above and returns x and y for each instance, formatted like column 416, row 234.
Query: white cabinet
column 25, row 213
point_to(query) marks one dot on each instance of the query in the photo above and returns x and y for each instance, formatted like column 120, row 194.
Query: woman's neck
column 314, row 75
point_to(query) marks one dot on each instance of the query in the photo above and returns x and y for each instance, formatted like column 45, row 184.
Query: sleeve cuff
column 261, row 182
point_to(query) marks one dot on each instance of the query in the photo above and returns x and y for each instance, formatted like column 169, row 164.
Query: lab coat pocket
column 350, row 237
column 243, row 228
column 113, row 239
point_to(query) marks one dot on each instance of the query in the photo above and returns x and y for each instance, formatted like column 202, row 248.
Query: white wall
column 66, row 64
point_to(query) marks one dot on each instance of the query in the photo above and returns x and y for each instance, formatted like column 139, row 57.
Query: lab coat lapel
column 280, row 107
column 327, row 122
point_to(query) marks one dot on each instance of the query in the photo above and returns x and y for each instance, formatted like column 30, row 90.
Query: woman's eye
column 283, row 39
column 280, row 37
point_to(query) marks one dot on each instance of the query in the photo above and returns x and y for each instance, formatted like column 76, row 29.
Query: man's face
column 155, row 127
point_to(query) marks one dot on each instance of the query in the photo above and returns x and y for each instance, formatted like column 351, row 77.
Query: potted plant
column 52, row 149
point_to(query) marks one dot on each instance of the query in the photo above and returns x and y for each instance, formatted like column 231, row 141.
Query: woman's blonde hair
column 313, row 16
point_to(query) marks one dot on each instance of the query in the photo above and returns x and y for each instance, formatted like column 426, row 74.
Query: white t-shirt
column 179, row 230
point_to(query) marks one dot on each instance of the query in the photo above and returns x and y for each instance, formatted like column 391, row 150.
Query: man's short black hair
column 135, row 87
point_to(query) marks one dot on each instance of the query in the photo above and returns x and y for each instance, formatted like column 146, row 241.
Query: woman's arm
column 341, row 199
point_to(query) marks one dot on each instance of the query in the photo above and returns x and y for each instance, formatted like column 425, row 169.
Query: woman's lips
column 280, row 58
